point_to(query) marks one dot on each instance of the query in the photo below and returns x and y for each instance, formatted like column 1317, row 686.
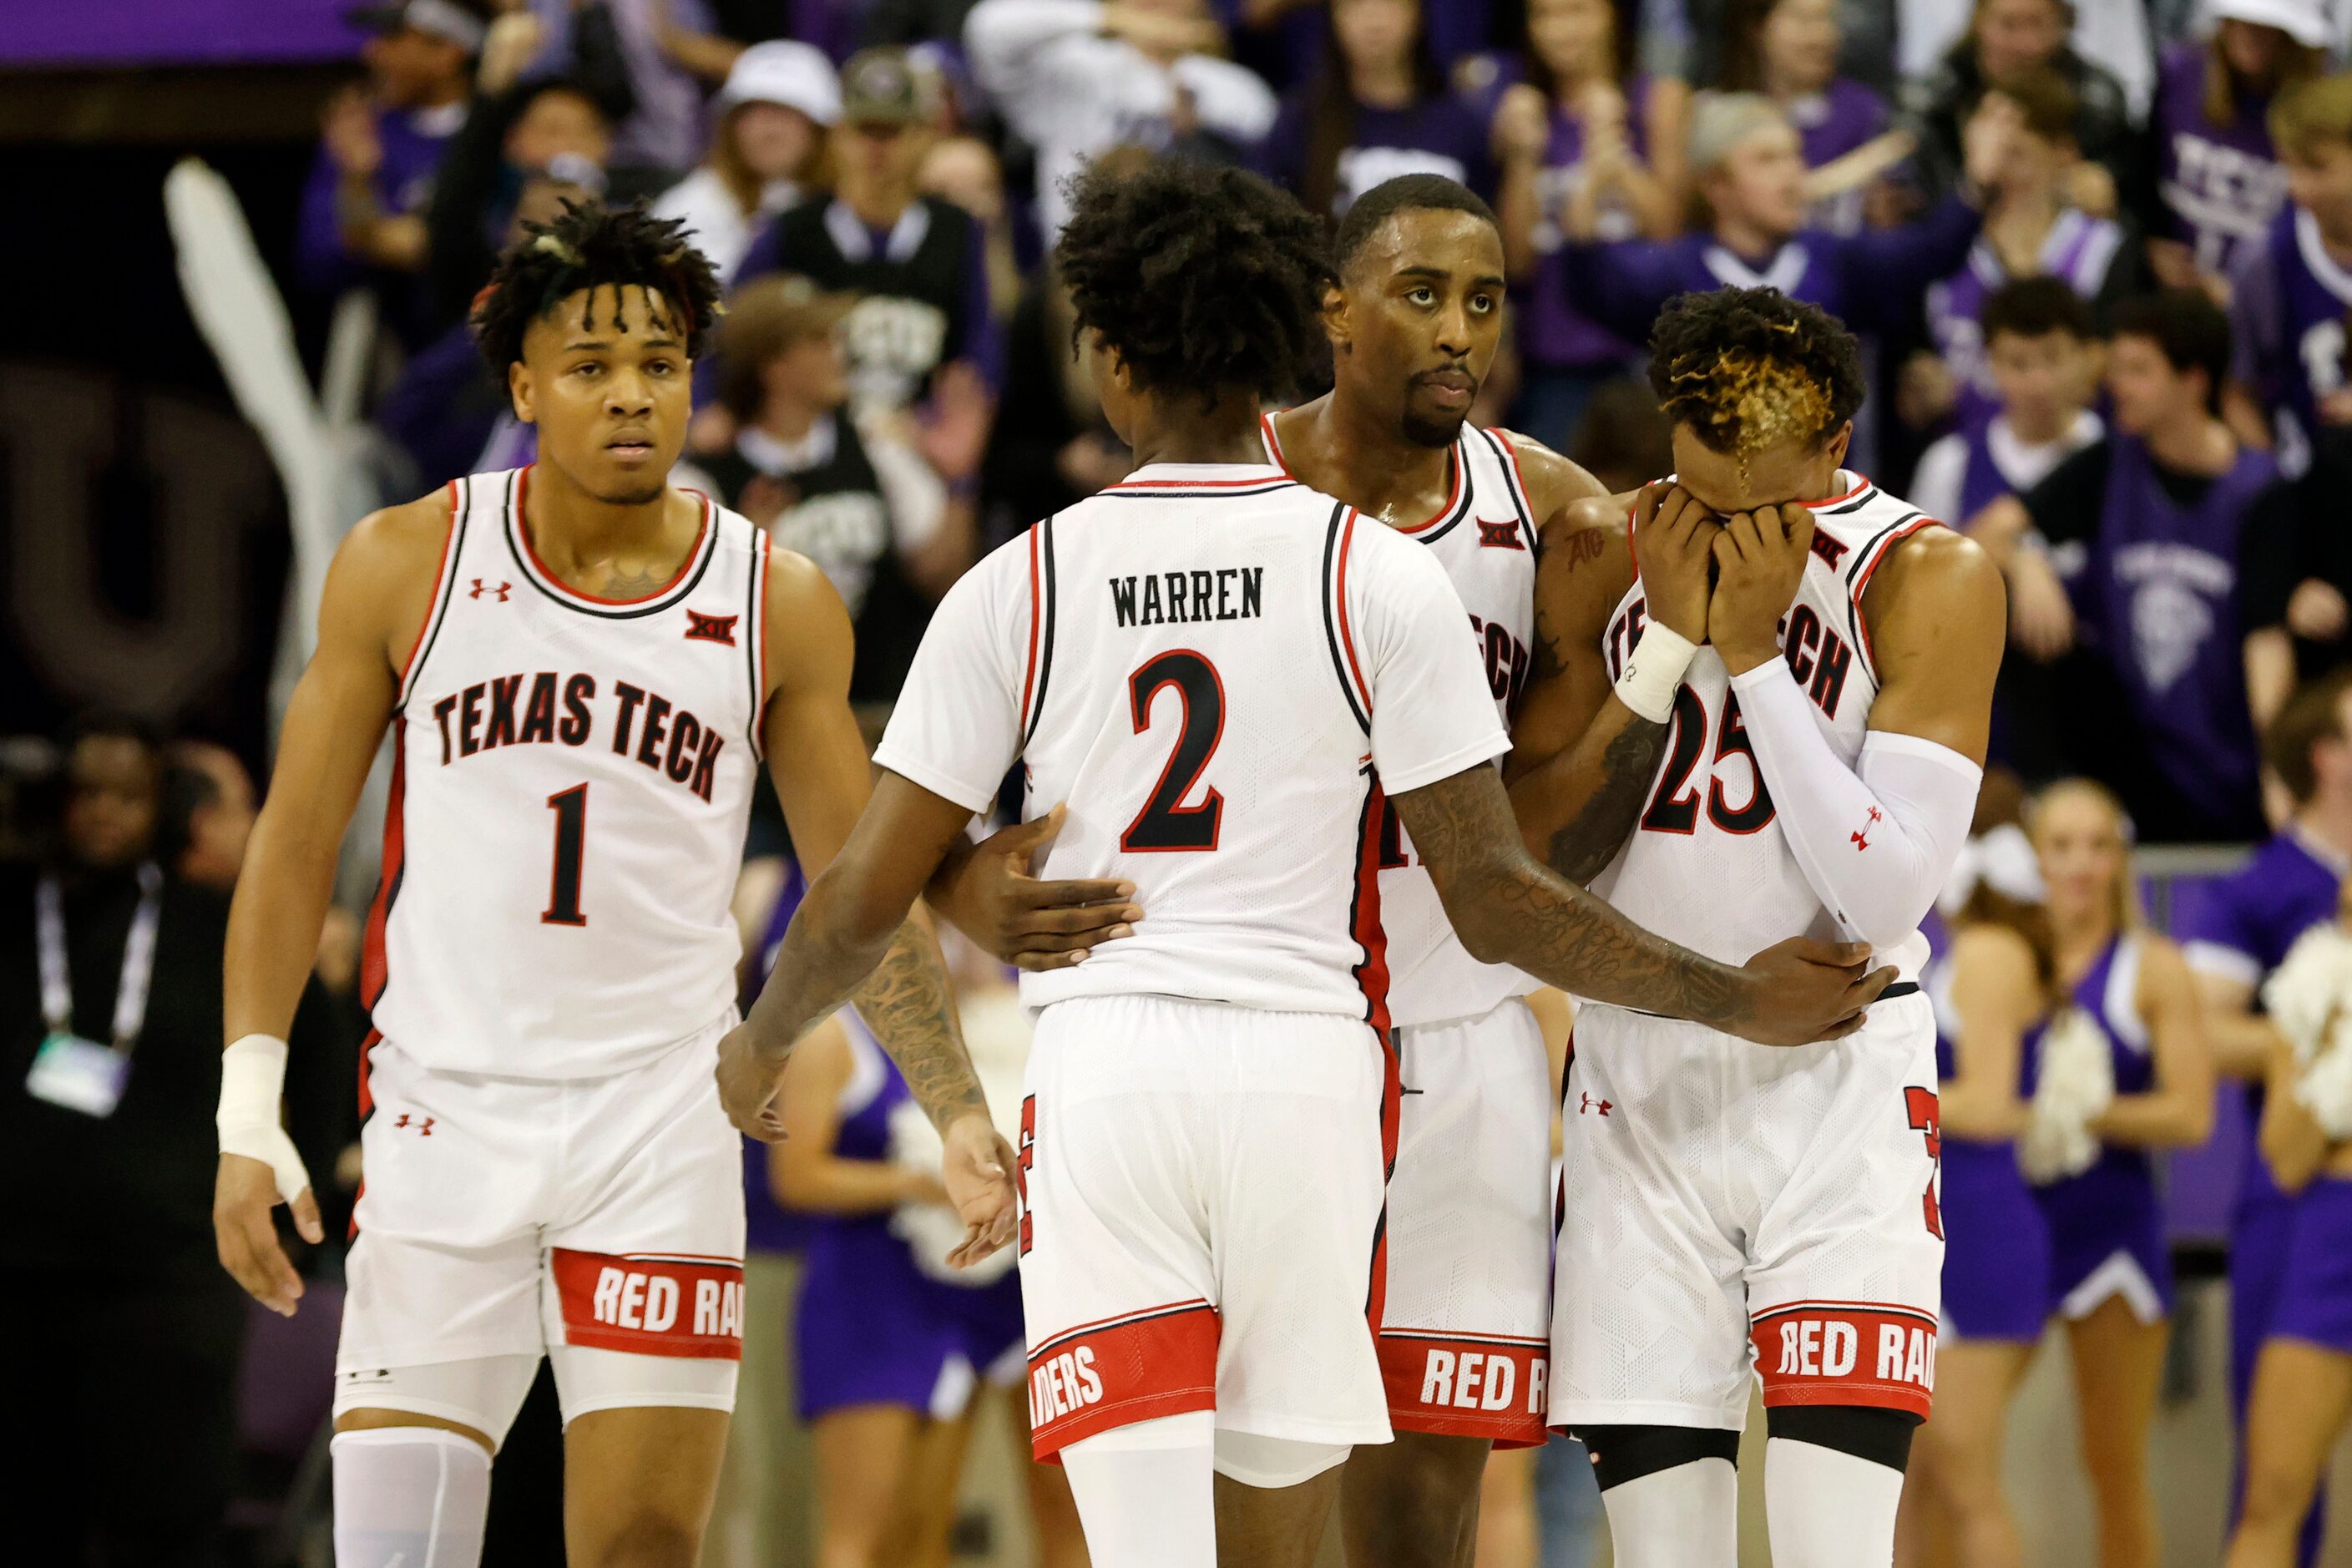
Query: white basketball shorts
column 501, row 1217
column 1464, row 1334
column 1201, row 1194
column 1733, row 1211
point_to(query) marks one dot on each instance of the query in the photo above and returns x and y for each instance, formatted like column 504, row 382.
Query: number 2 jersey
column 1707, row 864
column 571, row 781
column 1485, row 537
column 1220, row 671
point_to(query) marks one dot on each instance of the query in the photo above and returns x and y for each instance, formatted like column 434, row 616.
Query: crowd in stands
column 2100, row 252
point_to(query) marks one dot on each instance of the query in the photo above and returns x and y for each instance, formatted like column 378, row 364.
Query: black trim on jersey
column 1871, row 546
column 1878, row 546
column 1045, row 628
column 706, row 550
column 755, row 645
column 1453, row 454
column 1331, row 624
column 1194, row 492
column 444, row 590
column 1869, row 493
column 1520, row 504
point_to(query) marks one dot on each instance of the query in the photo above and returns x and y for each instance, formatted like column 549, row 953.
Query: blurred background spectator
column 1992, row 191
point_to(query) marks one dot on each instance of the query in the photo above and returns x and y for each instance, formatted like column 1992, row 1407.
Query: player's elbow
column 1474, row 904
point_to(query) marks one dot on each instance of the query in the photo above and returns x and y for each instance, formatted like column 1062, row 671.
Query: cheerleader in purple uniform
column 1588, row 145
column 895, row 1359
column 1992, row 988
column 2110, row 1273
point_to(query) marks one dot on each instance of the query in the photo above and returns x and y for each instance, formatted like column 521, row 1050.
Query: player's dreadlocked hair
column 1747, row 369
column 593, row 246
column 1205, row 280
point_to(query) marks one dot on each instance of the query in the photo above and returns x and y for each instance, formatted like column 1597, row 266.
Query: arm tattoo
column 1589, row 839
column 899, row 986
column 907, row 1003
column 1510, row 910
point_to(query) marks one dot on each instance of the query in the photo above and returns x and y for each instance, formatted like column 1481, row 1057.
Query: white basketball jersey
column 1485, row 537
column 571, row 778
column 1707, row 865
column 1217, row 668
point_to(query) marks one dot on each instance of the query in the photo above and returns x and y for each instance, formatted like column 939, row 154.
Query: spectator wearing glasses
column 379, row 148
column 781, row 101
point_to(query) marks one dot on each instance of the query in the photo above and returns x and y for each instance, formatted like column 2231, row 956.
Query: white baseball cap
column 796, row 75
column 2304, row 21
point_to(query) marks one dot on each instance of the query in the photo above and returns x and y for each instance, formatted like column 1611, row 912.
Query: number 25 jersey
column 570, row 780
column 1220, row 671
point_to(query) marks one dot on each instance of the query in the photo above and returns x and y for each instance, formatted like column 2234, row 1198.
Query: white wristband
column 1654, row 670
column 253, row 1080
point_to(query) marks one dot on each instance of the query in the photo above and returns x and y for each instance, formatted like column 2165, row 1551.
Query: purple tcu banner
column 63, row 33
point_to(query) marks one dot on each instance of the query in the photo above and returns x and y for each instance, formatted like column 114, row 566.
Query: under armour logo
column 1860, row 839
column 500, row 589
column 1503, row 535
column 700, row 628
column 1590, row 1105
column 423, row 1128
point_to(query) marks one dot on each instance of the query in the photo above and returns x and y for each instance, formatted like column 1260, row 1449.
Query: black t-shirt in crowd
column 130, row 1194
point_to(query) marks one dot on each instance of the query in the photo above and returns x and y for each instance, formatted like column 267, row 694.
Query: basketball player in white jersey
column 1222, row 673
column 1795, row 747
column 582, row 670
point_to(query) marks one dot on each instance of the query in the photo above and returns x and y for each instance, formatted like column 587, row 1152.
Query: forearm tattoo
column 1556, row 931
column 1589, row 840
column 908, row 1005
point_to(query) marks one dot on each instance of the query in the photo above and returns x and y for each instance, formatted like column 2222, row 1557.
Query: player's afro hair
column 1747, row 369
column 590, row 247
column 1205, row 280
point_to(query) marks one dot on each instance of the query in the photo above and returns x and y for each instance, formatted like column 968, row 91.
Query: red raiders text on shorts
column 651, row 1304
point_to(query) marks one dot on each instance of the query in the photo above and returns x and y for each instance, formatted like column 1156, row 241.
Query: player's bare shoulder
column 1936, row 583
column 1553, row 482
column 386, row 573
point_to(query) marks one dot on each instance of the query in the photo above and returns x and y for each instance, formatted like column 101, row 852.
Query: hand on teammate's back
column 1807, row 990
column 1674, row 539
column 1760, row 559
column 992, row 898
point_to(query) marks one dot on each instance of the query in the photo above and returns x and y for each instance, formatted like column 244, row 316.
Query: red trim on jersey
column 650, row 1304
column 1846, row 1353
column 1511, row 450
column 522, row 532
column 432, row 605
column 766, row 567
column 1037, row 614
column 372, row 961
column 1347, row 636
column 1862, row 580
column 1138, row 1366
column 1862, row 483
column 1460, row 466
column 1448, row 1384
column 1273, row 441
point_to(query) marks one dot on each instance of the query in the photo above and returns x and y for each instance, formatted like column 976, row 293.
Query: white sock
column 1828, row 1509
column 409, row 1497
column 1147, row 1494
column 1686, row 1517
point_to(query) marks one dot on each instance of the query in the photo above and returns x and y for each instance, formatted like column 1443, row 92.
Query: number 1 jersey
column 1222, row 672
column 571, row 779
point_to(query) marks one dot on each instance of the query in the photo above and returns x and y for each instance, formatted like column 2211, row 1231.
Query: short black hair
column 1203, row 279
column 2036, row 307
column 591, row 246
column 1748, row 368
column 2190, row 331
column 1406, row 193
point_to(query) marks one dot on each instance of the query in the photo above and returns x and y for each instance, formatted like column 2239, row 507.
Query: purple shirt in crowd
column 2079, row 249
column 2287, row 305
column 2222, row 185
column 1830, row 124
column 414, row 141
column 1441, row 136
column 1870, row 280
column 1553, row 333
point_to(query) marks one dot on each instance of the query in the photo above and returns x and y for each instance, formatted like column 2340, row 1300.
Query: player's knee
column 1622, row 1454
column 1865, row 1431
column 1419, row 1487
column 2275, row 1494
column 644, row 1536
